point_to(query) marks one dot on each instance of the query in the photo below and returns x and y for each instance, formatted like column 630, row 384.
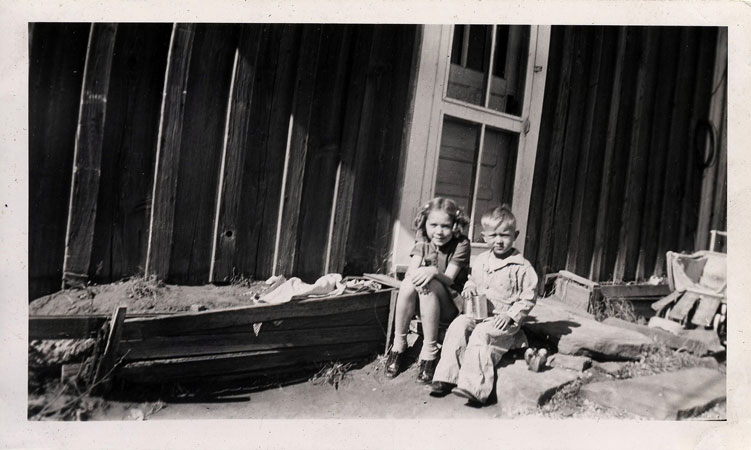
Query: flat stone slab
column 571, row 362
column 575, row 334
column 610, row 367
column 665, row 396
column 520, row 390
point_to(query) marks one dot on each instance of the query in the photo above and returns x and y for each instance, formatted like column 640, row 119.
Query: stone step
column 520, row 390
column 665, row 396
column 574, row 334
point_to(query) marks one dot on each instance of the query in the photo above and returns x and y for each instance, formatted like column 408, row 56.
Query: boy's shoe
column 393, row 364
column 440, row 388
column 425, row 370
column 466, row 394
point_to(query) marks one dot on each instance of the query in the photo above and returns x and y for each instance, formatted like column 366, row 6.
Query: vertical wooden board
column 359, row 97
column 297, row 150
column 555, row 157
column 719, row 212
column 617, row 194
column 130, row 139
column 595, row 136
column 658, row 143
column 601, row 225
column 87, row 156
column 236, row 147
column 168, row 150
column 394, row 102
column 56, row 61
column 363, row 243
column 200, row 156
column 536, row 212
column 695, row 161
column 324, row 151
column 677, row 149
column 563, row 240
column 639, row 157
column 710, row 179
column 265, row 183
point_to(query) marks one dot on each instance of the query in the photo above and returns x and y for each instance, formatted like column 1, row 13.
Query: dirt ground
column 146, row 295
column 363, row 392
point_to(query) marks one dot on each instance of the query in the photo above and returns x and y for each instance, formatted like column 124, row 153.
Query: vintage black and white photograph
column 465, row 220
column 376, row 221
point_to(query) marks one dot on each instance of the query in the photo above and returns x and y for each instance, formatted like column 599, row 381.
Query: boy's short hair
column 497, row 216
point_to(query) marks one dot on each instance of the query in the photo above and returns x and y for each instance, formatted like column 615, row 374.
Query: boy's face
column 500, row 238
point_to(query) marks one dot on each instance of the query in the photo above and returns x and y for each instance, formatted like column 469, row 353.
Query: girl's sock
column 400, row 343
column 429, row 350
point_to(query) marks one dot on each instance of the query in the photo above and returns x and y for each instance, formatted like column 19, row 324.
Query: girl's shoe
column 426, row 369
column 393, row 364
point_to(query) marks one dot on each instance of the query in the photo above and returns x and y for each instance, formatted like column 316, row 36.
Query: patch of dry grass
column 615, row 307
column 333, row 373
column 144, row 286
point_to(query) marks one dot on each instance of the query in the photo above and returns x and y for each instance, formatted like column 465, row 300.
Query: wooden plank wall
column 618, row 182
column 220, row 150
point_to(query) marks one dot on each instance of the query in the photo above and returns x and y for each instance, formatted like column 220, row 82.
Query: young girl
column 435, row 278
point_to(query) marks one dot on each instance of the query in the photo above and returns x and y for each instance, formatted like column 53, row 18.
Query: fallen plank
column 268, row 339
column 236, row 363
column 684, row 306
column 374, row 316
column 108, row 359
column 636, row 290
column 666, row 301
column 665, row 396
column 64, row 327
column 177, row 324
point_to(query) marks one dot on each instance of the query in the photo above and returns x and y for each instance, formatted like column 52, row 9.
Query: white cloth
column 327, row 285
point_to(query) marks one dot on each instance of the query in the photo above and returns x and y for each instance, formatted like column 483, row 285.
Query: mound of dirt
column 146, row 296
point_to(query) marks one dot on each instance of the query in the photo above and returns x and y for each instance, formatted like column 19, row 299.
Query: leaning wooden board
column 251, row 340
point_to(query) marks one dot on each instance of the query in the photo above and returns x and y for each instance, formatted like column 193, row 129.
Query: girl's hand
column 469, row 292
column 422, row 276
column 501, row 321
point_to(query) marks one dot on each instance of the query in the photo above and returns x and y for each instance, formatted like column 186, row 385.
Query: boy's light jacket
column 510, row 284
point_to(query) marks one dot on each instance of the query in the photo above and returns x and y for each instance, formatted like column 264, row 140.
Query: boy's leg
column 434, row 302
column 454, row 344
column 485, row 348
column 406, row 301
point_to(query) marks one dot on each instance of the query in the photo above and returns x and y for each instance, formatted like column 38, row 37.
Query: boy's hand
column 502, row 321
column 469, row 292
column 423, row 275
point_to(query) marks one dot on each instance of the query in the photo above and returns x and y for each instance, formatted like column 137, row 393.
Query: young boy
column 471, row 350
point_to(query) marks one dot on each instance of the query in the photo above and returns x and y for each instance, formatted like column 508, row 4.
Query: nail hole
column 228, row 233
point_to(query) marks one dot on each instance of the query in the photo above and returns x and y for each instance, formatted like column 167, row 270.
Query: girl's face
column 439, row 227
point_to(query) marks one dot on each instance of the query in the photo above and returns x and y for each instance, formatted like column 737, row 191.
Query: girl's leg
column 406, row 301
column 434, row 304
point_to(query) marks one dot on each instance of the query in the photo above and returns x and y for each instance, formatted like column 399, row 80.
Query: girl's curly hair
column 446, row 205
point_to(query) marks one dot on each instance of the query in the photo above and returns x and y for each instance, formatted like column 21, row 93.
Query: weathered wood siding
column 624, row 169
column 210, row 151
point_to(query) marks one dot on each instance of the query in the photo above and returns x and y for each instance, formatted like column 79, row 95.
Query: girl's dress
column 457, row 250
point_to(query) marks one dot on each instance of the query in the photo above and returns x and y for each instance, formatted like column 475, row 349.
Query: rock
column 610, row 367
column 571, row 362
column 665, row 396
column 197, row 307
column 708, row 337
column 520, row 390
column 574, row 334
column 665, row 324
column 709, row 362
column 661, row 336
